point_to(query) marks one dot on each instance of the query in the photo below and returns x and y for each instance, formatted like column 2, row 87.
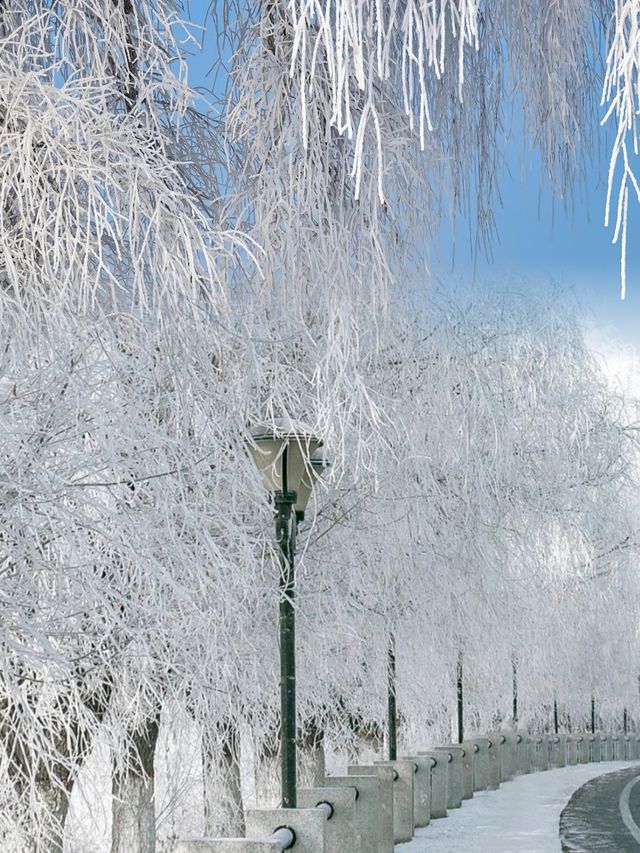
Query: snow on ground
column 522, row 817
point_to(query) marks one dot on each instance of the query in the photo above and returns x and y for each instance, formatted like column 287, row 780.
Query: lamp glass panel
column 305, row 488
column 299, row 451
column 267, row 455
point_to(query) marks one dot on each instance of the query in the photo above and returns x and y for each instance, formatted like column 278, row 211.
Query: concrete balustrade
column 385, row 775
column 366, row 794
column 269, row 831
column 308, row 825
column 629, row 748
column 439, row 783
column 583, row 748
column 455, row 776
column 341, row 824
column 403, row 820
column 616, row 748
column 523, row 753
column 480, row 757
column 421, row 789
column 377, row 805
column 572, row 749
column 228, row 845
column 506, row 745
column 594, row 748
column 541, row 752
column 494, row 762
column 467, row 770
column 558, row 756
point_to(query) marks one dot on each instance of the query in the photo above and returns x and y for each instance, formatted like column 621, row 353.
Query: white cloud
column 619, row 360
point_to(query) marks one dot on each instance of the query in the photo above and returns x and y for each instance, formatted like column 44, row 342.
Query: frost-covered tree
column 510, row 477
column 169, row 280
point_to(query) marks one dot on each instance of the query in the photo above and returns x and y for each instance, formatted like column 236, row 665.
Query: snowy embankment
column 521, row 817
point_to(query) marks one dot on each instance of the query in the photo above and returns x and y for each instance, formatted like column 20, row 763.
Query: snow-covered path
column 522, row 817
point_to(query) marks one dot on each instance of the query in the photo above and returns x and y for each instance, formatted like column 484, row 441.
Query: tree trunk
column 41, row 770
column 369, row 739
column 460, row 696
column 223, row 806
column 133, row 803
column 55, row 800
column 312, row 764
column 267, row 772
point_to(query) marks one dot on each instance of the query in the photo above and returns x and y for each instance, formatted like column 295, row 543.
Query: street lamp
column 318, row 464
column 287, row 456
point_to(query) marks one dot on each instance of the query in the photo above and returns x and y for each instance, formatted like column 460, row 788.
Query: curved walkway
column 522, row 817
column 603, row 815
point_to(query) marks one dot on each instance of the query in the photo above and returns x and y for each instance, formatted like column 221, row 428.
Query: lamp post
column 286, row 454
column 392, row 706
column 460, row 696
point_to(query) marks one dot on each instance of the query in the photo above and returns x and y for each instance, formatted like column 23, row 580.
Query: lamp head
column 282, row 451
column 318, row 464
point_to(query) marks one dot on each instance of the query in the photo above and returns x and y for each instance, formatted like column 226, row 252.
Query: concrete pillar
column 340, row 833
column 541, row 752
column 582, row 740
column 531, row 749
column 558, row 750
column 494, row 762
column 455, row 780
column 629, row 748
column 366, row 793
column 480, row 758
column 605, row 747
column 594, row 748
column 467, row 770
column 439, row 783
column 616, row 748
column 506, row 746
column 421, row 789
column 403, row 821
column 572, row 749
column 518, row 749
column 384, row 773
column 562, row 750
column 523, row 752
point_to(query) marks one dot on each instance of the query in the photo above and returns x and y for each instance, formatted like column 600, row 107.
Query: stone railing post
column 506, row 747
column 403, row 779
column 385, row 776
column 455, row 778
column 479, row 748
column 439, row 782
column 421, row 789
column 595, row 747
column 340, row 831
column 541, row 743
column 494, row 761
column 366, row 794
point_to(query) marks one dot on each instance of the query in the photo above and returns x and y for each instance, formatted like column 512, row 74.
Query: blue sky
column 543, row 241
column 537, row 238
